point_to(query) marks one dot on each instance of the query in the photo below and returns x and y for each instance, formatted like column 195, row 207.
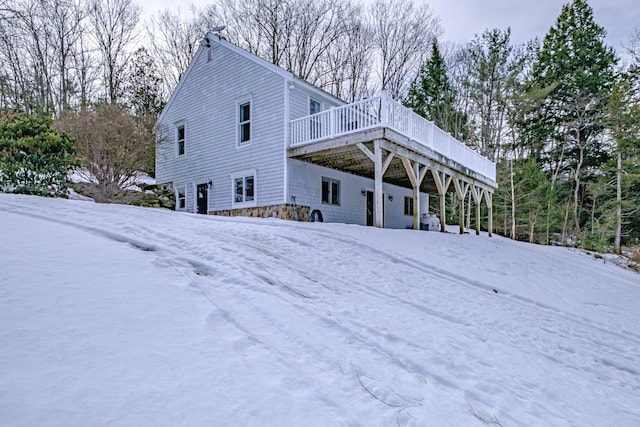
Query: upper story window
column 314, row 106
column 180, row 139
column 330, row 191
column 315, row 127
column 244, row 123
column 408, row 205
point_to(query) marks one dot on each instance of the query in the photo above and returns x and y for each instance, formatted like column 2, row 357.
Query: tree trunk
column 577, row 192
column 513, row 203
column 616, row 243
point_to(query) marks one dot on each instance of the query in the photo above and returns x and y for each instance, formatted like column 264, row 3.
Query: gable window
column 180, row 139
column 244, row 188
column 244, row 123
column 330, row 191
column 314, row 106
column 314, row 129
column 181, row 200
column 408, row 205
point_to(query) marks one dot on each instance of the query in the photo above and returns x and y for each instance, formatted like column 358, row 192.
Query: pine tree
column 34, row 158
column 568, row 126
column 432, row 96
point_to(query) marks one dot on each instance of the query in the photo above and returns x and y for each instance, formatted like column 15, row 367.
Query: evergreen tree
column 623, row 121
column 34, row 158
column 567, row 127
column 432, row 96
column 490, row 77
column 144, row 88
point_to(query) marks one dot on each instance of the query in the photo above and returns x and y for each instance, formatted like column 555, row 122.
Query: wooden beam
column 366, row 151
column 377, row 191
column 474, row 192
column 447, row 182
column 443, row 214
column 461, row 219
column 410, row 173
column 477, row 218
column 432, row 164
column 436, row 178
column 387, row 162
column 423, row 173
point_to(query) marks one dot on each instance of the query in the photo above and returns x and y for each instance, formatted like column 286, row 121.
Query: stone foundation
column 284, row 211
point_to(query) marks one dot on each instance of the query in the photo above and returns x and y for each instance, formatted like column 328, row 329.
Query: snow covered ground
column 125, row 316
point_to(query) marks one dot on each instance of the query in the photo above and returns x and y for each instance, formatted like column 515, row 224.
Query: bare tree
column 114, row 30
column 402, row 33
column 348, row 61
column 64, row 17
column 114, row 147
column 175, row 39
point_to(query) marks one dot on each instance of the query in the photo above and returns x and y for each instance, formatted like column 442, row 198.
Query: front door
column 203, row 198
column 370, row 209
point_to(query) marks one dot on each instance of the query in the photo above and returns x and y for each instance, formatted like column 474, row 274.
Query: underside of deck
column 383, row 154
column 345, row 154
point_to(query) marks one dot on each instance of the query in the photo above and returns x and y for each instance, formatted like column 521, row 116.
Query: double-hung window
column 244, row 188
column 408, row 205
column 180, row 139
column 330, row 191
column 181, row 200
column 244, row 122
column 315, row 130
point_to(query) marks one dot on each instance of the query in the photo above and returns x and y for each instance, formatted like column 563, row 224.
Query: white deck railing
column 381, row 111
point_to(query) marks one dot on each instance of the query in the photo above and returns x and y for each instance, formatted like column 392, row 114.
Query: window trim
column 412, row 208
column 182, row 125
column 329, row 201
column 239, row 103
column 244, row 175
column 319, row 103
column 184, row 197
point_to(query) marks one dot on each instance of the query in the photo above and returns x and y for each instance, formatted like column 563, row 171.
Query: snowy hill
column 125, row 316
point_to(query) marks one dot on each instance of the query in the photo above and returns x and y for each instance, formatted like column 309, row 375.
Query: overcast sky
column 462, row 19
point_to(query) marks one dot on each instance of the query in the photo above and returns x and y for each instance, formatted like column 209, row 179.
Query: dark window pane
column 325, row 190
column 238, row 196
column 180, row 137
column 335, row 193
column 249, row 189
column 314, row 106
column 181, row 200
column 245, row 132
column 408, row 205
column 245, row 110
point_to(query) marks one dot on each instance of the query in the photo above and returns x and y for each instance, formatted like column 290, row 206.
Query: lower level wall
column 283, row 211
column 305, row 185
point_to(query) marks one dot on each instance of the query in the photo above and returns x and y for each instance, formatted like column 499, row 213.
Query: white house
column 241, row 136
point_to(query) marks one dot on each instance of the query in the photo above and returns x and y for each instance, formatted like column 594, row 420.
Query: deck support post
column 461, row 191
column 378, row 220
column 416, row 173
column 416, row 196
column 443, row 214
column 442, row 183
column 489, row 199
column 477, row 219
column 477, row 198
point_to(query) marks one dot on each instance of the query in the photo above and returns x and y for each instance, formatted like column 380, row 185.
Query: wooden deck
column 380, row 139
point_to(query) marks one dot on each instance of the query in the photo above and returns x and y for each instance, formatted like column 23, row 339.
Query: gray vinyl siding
column 305, row 184
column 207, row 102
column 299, row 102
